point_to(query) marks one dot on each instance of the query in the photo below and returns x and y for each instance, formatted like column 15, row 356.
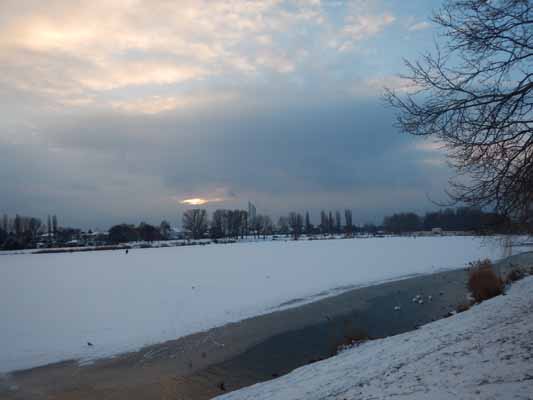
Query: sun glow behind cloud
column 198, row 201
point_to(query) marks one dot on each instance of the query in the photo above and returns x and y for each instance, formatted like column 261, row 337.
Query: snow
column 51, row 305
column 483, row 353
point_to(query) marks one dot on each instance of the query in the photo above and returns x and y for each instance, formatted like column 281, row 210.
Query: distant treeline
column 459, row 219
column 237, row 223
column 21, row 232
column 124, row 233
column 27, row 232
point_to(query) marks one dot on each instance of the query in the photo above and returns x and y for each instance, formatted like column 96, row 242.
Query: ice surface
column 51, row 305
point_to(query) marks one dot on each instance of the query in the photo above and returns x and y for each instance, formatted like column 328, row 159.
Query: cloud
column 420, row 26
column 117, row 111
column 430, row 145
column 359, row 27
column 69, row 50
column 158, row 104
column 376, row 85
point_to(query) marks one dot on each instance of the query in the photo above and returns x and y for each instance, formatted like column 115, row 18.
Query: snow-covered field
column 483, row 353
column 51, row 305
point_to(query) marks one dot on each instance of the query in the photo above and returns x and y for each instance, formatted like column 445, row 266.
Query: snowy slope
column 484, row 353
column 51, row 305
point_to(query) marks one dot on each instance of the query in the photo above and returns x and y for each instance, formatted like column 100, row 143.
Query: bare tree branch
column 475, row 95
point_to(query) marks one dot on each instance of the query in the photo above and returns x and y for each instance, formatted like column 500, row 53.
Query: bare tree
column 267, row 226
column 308, row 229
column 324, row 222
column 283, row 225
column 348, row 227
column 195, row 222
column 338, row 222
column 165, row 229
column 34, row 226
column 474, row 95
column 219, row 224
column 296, row 223
column 54, row 226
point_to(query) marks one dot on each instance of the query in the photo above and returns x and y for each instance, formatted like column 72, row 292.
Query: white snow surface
column 51, row 305
column 484, row 353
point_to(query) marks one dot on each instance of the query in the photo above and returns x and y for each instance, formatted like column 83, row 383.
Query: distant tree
column 370, row 228
column 164, row 229
column 466, row 219
column 243, row 223
column 402, row 222
column 331, row 223
column 234, row 223
column 54, row 226
column 474, row 94
column 324, row 223
column 5, row 223
column 195, row 223
column 348, row 226
column 3, row 237
column 308, row 229
column 256, row 225
column 13, row 243
column 18, row 226
column 49, row 227
column 237, row 221
column 283, row 225
column 123, row 233
column 218, row 228
column 296, row 223
column 338, row 222
column 34, row 226
column 267, row 226
column 148, row 233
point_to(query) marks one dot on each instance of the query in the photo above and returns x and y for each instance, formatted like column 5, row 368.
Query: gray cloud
column 111, row 166
column 117, row 112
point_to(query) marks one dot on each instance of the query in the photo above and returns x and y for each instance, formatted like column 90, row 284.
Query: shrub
column 515, row 275
column 350, row 341
column 463, row 307
column 483, row 282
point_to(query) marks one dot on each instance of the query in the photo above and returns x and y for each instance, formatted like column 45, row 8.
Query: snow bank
column 51, row 305
column 484, row 353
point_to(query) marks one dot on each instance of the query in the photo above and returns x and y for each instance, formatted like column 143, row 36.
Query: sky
column 121, row 111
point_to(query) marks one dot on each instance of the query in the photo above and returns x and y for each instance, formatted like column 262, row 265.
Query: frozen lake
column 51, row 305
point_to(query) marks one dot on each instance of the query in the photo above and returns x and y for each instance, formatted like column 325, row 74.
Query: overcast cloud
column 118, row 112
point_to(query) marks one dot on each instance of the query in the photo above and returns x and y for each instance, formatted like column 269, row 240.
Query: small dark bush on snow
column 515, row 275
column 483, row 282
column 463, row 307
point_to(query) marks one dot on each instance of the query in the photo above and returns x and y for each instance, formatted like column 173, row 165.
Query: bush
column 463, row 307
column 483, row 282
column 350, row 341
column 515, row 275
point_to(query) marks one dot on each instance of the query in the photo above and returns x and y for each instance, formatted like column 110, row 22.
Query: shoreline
column 239, row 354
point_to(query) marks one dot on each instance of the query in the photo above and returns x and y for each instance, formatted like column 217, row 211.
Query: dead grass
column 351, row 340
column 463, row 307
column 483, row 282
column 515, row 275
column 518, row 273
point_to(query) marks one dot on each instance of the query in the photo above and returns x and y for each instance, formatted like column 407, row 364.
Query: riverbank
column 206, row 364
column 482, row 353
